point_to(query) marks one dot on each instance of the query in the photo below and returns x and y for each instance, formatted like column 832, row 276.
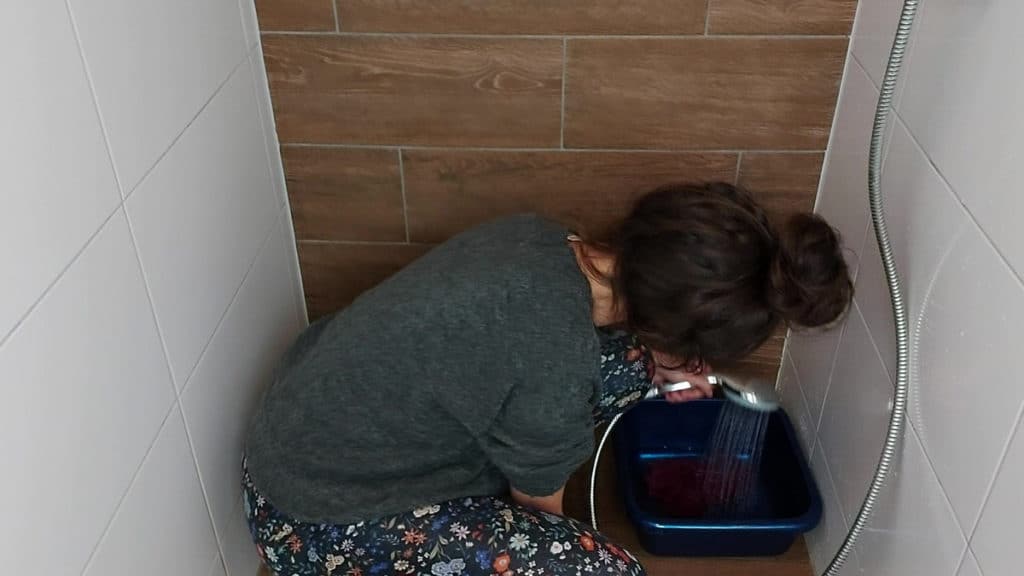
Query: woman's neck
column 597, row 266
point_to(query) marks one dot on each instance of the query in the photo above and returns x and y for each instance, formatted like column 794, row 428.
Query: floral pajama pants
column 468, row 537
column 480, row 536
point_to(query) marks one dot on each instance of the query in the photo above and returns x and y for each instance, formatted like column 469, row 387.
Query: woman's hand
column 662, row 375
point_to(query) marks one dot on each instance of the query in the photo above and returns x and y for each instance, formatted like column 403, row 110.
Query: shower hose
column 894, row 434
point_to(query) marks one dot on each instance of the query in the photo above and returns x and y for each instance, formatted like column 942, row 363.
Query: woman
column 430, row 427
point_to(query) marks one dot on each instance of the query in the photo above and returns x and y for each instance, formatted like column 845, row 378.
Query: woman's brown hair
column 704, row 276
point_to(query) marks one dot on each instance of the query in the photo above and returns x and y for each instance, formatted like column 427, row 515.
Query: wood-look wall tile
column 448, row 191
column 702, row 93
column 416, row 90
column 345, row 194
column 333, row 275
column 524, row 16
column 781, row 16
column 764, row 362
column 783, row 183
column 296, row 15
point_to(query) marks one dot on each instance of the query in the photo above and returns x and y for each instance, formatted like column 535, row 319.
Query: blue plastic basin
column 788, row 501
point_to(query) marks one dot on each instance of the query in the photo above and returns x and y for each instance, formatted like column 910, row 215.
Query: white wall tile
column 299, row 294
column 872, row 294
column 217, row 567
column 856, row 414
column 163, row 526
column 824, row 541
column 87, row 388
column 913, row 530
column 793, row 403
column 219, row 399
column 154, row 64
column 239, row 549
column 963, row 104
column 996, row 541
column 969, row 327
column 873, row 32
column 969, row 567
column 842, row 199
column 924, row 219
column 58, row 181
column 813, row 354
column 269, row 126
column 250, row 26
column 200, row 218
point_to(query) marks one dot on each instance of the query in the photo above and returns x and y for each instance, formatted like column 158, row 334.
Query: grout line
column 95, row 100
column 557, row 36
column 707, row 17
column 405, row 204
column 49, row 287
column 179, row 392
column 217, row 536
column 963, row 558
column 237, row 511
column 88, row 241
column 131, row 484
column 995, row 476
column 739, row 162
column 218, row 558
column 1017, row 275
column 174, row 384
column 911, row 428
column 831, row 480
column 231, row 301
column 334, row 9
column 149, row 298
column 418, row 147
column 831, row 371
column 181, row 133
column 565, row 66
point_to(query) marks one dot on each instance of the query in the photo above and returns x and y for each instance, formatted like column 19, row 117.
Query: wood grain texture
column 448, row 191
column 335, row 274
column 415, row 90
column 783, row 183
column 762, row 363
column 702, row 93
column 781, row 16
column 296, row 15
column 524, row 16
column 345, row 194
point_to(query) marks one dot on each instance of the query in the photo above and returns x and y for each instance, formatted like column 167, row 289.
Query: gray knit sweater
column 474, row 368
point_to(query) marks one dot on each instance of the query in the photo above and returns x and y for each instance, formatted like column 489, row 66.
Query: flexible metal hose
column 894, row 434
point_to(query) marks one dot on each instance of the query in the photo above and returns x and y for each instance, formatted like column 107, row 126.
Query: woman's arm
column 551, row 504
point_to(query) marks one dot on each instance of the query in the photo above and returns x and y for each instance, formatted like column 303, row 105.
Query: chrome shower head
column 750, row 393
column 754, row 394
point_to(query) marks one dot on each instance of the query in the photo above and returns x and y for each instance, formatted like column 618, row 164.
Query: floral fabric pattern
column 467, row 537
column 627, row 372
column 479, row 536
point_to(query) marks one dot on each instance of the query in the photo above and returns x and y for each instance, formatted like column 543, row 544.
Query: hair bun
column 809, row 283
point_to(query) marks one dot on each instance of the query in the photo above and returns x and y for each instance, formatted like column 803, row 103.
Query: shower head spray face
column 750, row 393
column 753, row 394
